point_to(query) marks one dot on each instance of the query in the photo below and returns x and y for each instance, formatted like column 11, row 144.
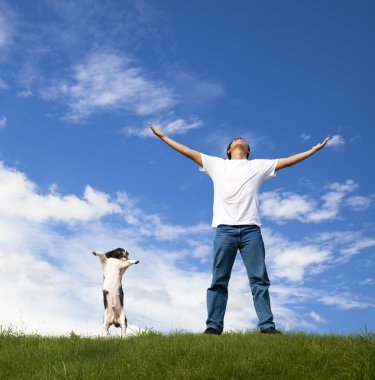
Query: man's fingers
column 151, row 127
column 321, row 145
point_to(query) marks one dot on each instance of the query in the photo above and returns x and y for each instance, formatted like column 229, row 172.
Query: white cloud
column 174, row 127
column 294, row 260
column 316, row 317
column 345, row 301
column 360, row 203
column 19, row 198
column 3, row 121
column 305, row 136
column 344, row 243
column 6, row 28
column 357, row 246
column 278, row 205
column 106, row 81
column 281, row 206
column 127, row 24
column 153, row 225
column 3, row 84
column 56, row 282
column 336, row 142
column 53, row 272
column 341, row 188
column 367, row 281
column 25, row 93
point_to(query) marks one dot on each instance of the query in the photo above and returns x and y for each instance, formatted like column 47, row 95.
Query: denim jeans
column 248, row 240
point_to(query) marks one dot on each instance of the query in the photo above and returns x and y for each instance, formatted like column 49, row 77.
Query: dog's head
column 118, row 253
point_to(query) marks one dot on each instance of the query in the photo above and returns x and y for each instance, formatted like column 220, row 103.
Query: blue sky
column 80, row 171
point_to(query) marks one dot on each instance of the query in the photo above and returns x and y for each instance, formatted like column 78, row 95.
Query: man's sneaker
column 270, row 330
column 210, row 330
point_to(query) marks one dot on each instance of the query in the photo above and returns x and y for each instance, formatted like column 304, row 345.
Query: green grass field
column 179, row 355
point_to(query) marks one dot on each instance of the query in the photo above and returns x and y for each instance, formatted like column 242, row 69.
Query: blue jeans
column 248, row 239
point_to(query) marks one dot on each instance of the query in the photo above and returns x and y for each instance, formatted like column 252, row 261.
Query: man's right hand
column 190, row 153
column 157, row 131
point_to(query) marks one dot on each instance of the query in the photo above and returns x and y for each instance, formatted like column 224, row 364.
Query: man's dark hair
column 237, row 138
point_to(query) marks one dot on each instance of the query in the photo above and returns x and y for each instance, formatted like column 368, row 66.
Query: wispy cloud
column 47, row 258
column 107, row 81
column 336, row 142
column 6, row 25
column 357, row 246
column 293, row 260
column 345, row 301
column 133, row 24
column 3, row 121
column 305, row 136
column 280, row 206
column 174, row 127
column 25, row 93
column 69, row 28
column 3, row 84
column 345, row 243
column 316, row 317
column 359, row 202
column 367, row 281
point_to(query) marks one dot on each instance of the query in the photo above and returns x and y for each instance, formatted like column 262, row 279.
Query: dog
column 114, row 264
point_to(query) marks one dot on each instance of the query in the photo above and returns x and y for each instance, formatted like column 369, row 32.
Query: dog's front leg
column 101, row 255
column 126, row 264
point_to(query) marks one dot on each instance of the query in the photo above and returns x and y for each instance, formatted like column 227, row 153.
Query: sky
column 80, row 170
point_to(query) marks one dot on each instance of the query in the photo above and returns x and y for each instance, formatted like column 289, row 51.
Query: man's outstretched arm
column 292, row 160
column 190, row 153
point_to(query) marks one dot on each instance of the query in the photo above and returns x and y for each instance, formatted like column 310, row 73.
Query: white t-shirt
column 236, row 186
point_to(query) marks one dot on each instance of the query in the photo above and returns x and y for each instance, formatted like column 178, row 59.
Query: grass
column 152, row 355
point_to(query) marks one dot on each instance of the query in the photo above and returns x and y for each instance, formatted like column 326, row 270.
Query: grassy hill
column 152, row 355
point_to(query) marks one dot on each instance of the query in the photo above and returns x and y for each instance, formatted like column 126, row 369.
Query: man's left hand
column 320, row 146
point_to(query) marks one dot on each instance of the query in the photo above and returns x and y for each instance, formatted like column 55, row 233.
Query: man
column 236, row 217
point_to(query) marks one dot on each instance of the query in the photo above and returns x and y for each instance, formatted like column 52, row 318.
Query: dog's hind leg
column 106, row 324
column 105, row 330
column 123, row 323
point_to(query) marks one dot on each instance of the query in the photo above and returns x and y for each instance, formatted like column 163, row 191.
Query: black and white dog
column 114, row 264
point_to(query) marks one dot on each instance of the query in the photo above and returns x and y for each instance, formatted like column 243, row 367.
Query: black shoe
column 270, row 330
column 212, row 331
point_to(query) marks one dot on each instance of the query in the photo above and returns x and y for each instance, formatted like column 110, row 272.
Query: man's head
column 238, row 149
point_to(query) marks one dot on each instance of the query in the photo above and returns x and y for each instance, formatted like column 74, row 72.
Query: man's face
column 239, row 146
